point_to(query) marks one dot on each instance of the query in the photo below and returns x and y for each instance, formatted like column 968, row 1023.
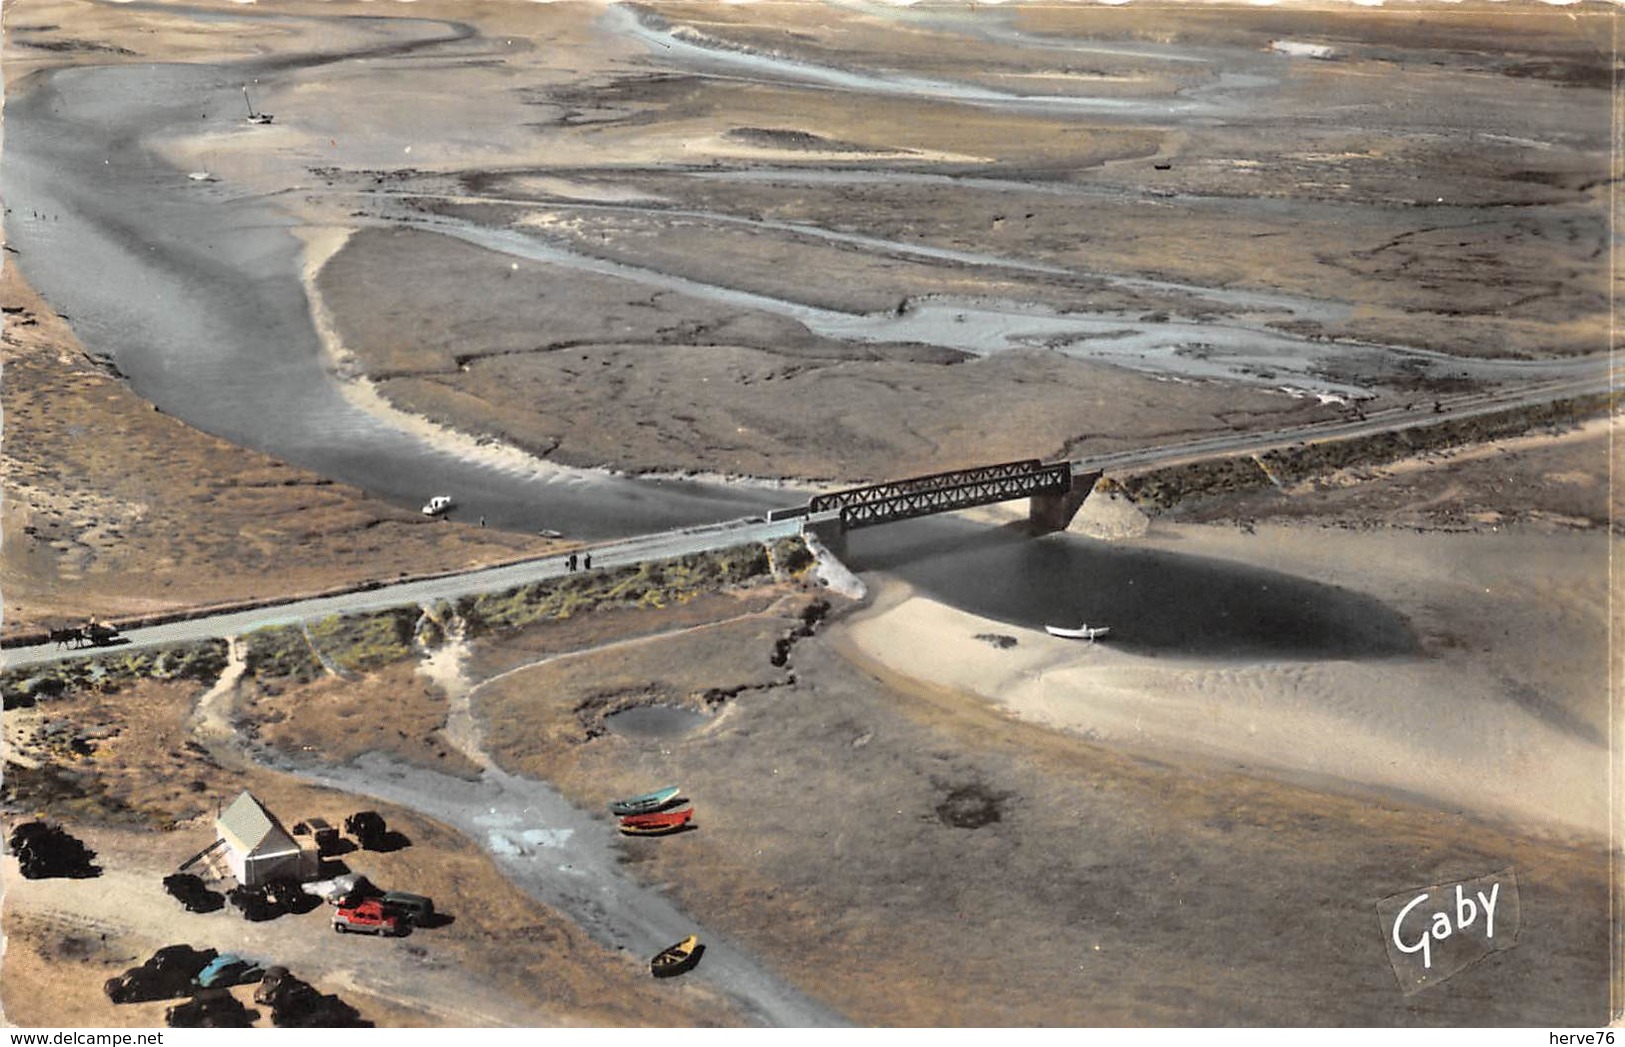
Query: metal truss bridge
column 944, row 492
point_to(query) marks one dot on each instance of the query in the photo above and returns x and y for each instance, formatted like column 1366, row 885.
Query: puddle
column 645, row 722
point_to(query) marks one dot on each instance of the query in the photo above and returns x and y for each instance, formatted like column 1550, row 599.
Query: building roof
column 248, row 827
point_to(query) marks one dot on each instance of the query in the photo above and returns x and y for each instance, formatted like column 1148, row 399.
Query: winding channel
column 697, row 51
column 199, row 301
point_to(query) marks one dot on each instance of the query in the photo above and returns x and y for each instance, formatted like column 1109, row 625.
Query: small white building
column 258, row 849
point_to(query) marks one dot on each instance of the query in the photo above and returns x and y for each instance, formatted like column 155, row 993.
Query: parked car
column 138, row 985
column 193, row 893
column 272, row 984
column 168, row 973
column 228, row 969
column 288, row 896
column 367, row 827
column 337, row 891
column 182, row 959
column 210, row 1009
column 368, row 917
column 253, row 902
column 327, row 837
column 413, row 908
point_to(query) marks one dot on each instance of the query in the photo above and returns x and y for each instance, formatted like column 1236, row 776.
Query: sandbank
column 1448, row 727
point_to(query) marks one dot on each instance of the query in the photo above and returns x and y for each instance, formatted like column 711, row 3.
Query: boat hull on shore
column 675, row 959
column 645, row 804
column 1082, row 632
column 659, row 819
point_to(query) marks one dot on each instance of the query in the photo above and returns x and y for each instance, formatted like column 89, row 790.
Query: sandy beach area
column 1500, row 713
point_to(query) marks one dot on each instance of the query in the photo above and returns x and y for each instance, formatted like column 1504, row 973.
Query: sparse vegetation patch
column 1163, row 489
column 200, row 661
column 651, row 584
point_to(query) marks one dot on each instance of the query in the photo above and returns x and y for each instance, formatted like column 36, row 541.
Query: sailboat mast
column 248, row 101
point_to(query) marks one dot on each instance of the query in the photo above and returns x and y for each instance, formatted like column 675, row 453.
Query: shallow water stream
column 195, row 295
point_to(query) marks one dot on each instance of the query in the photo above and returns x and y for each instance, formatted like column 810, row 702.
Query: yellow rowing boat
column 678, row 958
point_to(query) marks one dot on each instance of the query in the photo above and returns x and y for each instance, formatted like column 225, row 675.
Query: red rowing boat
column 658, row 819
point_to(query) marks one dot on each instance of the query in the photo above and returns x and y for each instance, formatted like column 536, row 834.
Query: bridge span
column 1055, row 491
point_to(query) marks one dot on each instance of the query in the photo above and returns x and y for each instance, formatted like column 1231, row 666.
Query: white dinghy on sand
column 1082, row 632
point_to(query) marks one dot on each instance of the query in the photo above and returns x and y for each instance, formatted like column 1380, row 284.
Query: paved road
column 753, row 529
column 495, row 579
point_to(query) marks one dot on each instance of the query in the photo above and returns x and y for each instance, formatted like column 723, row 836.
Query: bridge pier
column 1048, row 513
column 830, row 532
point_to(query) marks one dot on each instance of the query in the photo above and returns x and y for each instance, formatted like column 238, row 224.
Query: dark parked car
column 253, row 903
column 167, row 974
column 210, row 1009
column 413, row 908
column 192, row 893
column 138, row 985
column 45, row 851
column 367, row 827
column 181, row 959
column 271, row 986
column 296, row 1004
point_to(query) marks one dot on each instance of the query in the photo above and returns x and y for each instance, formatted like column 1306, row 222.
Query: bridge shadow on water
column 1155, row 602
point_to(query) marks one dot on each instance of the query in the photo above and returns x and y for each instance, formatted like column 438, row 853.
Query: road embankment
column 1164, row 488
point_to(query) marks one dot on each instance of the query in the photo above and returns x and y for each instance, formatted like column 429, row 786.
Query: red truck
column 366, row 917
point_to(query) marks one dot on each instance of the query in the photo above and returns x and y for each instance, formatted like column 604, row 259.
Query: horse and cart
column 92, row 633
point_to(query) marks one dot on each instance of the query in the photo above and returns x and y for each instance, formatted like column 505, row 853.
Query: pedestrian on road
column 572, row 561
column 587, row 563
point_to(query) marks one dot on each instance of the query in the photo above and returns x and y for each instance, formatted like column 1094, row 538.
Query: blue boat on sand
column 646, row 803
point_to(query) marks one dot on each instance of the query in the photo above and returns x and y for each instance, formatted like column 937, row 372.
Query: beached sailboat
column 675, row 959
column 652, row 801
column 1082, row 632
column 253, row 117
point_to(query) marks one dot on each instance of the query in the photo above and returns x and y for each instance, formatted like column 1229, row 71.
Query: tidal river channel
column 198, row 302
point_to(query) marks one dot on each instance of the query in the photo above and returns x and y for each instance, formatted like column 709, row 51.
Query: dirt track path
column 560, row 855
